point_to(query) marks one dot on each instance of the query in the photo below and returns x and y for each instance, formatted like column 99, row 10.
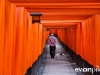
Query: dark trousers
column 52, row 51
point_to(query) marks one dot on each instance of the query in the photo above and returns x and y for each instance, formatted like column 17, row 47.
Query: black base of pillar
column 28, row 71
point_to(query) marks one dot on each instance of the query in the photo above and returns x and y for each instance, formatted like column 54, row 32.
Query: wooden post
column 2, row 26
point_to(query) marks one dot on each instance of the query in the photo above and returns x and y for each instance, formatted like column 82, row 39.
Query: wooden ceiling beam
column 55, row 1
column 66, row 11
column 58, row 27
column 63, row 11
column 58, row 24
column 65, row 17
column 52, row 26
column 60, row 21
column 59, row 5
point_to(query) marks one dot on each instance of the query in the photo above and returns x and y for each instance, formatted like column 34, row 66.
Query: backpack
column 52, row 40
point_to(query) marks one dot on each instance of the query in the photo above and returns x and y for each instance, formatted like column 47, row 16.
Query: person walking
column 52, row 45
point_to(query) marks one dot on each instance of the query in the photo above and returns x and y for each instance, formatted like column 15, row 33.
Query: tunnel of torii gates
column 76, row 22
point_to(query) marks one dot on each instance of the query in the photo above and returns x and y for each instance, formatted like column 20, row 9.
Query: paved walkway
column 60, row 66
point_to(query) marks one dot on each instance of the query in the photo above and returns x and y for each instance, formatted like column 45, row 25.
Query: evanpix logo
column 92, row 70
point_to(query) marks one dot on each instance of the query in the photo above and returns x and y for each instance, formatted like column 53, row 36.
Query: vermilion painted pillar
column 63, row 35
column 68, row 38
column 97, row 40
column 19, row 41
column 45, row 35
column 70, row 35
column 78, row 39
column 88, row 50
column 73, row 38
column 29, row 42
column 84, row 40
column 54, row 31
column 13, row 22
column 2, row 26
column 90, row 40
column 43, row 40
column 36, row 37
column 60, row 33
column 25, row 57
column 40, row 39
column 81, row 51
column 8, row 49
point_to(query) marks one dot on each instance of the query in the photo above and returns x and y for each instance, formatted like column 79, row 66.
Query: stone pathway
column 58, row 66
